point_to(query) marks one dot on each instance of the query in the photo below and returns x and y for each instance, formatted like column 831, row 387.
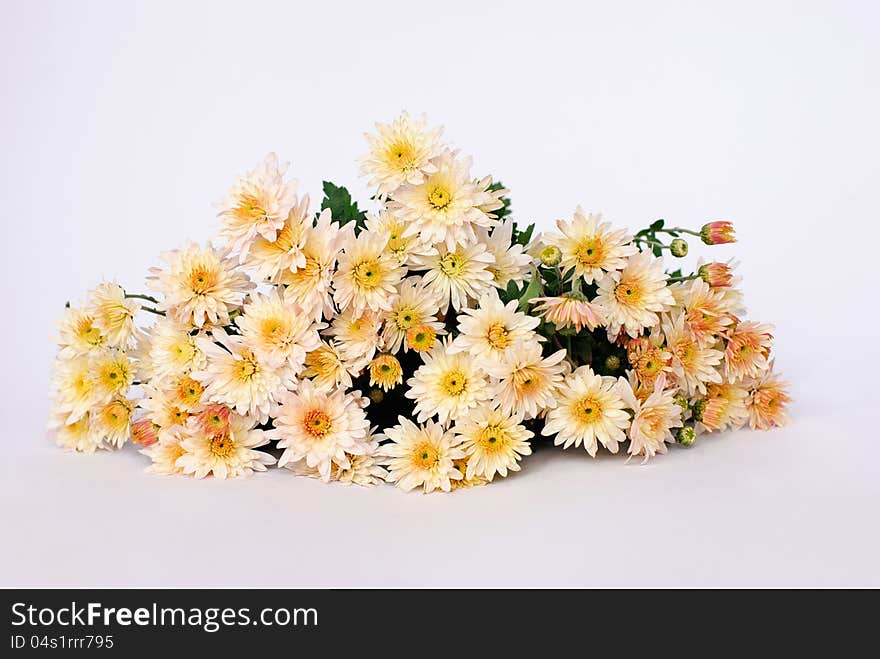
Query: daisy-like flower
column 632, row 297
column 413, row 305
column 493, row 441
column 456, row 276
column 524, row 380
column 748, row 350
column 385, row 372
column 367, row 275
column 231, row 455
column 111, row 374
column 649, row 357
column 113, row 313
column 310, row 286
column 694, row 366
column 464, row 482
column 144, row 432
column 76, row 436
column 172, row 350
column 74, row 390
column 112, row 421
column 328, row 368
column 399, row 245
column 364, row 469
column 493, row 327
column 448, row 385
column 589, row 410
column 357, row 334
column 589, row 247
column 236, row 376
column 321, row 428
column 447, row 205
column 511, row 263
column 570, row 309
column 199, row 286
column 213, row 419
column 270, row 258
column 257, row 205
column 706, row 311
column 163, row 409
column 653, row 418
column 723, row 407
column 767, row 401
column 78, row 334
column 164, row 455
column 401, row 152
column 422, row 337
column 277, row 330
column 422, row 456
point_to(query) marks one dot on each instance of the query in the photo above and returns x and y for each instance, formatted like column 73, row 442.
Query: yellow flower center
column 273, row 329
column 88, row 333
column 222, row 446
column 452, row 264
column 527, row 380
column 439, row 198
column 454, row 383
column 425, row 455
column 628, row 293
column 202, row 280
column 316, row 423
column 405, row 317
column 590, row 252
column 246, row 367
column 588, row 410
column 498, row 336
column 492, row 439
column 189, row 391
column 249, row 209
column 287, row 238
column 385, row 371
column 402, row 155
column 367, row 273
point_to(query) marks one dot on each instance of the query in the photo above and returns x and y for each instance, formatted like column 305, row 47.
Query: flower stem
column 672, row 280
column 680, row 230
column 141, row 296
column 653, row 243
column 152, row 310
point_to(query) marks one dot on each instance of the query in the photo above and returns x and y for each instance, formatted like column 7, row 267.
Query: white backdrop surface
column 121, row 122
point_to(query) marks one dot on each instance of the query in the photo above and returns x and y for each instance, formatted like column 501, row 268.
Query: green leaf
column 533, row 290
column 512, row 293
column 656, row 226
column 677, row 273
column 342, row 208
column 657, row 250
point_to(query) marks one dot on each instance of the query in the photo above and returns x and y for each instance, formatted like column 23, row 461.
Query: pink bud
column 144, row 432
column 718, row 233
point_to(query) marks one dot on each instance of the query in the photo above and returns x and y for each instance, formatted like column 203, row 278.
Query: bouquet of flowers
column 428, row 344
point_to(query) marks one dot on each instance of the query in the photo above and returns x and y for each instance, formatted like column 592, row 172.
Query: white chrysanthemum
column 111, row 373
column 199, row 286
column 78, row 334
column 366, row 275
column 589, row 410
column 493, row 441
column 73, row 389
column 524, row 380
column 448, row 385
column 402, row 152
column 706, row 312
column 257, row 205
column 328, row 368
column 589, row 247
column 633, row 297
column 447, row 205
column 364, row 469
column 693, row 365
column 163, row 407
column 76, row 436
column 164, row 455
column 321, row 428
column 228, row 455
column 493, row 327
column 511, row 264
column 357, row 334
column 454, row 277
column 277, row 330
column 399, row 245
column 422, row 456
column 270, row 258
column 236, row 376
column 653, row 419
column 172, row 350
column 413, row 305
column 113, row 313
column 310, row 286
column 112, row 422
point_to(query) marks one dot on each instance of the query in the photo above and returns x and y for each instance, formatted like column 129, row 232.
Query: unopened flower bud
column 698, row 409
column 612, row 362
column 678, row 247
column 376, row 395
column 717, row 275
column 718, row 233
column 682, row 402
column 686, row 435
column 551, row 256
column 144, row 432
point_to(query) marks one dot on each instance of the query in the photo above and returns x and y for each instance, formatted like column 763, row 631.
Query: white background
column 122, row 122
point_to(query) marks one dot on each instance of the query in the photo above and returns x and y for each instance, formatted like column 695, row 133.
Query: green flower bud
column 682, row 402
column 612, row 362
column 699, row 408
column 678, row 247
column 686, row 435
column 551, row 256
column 376, row 395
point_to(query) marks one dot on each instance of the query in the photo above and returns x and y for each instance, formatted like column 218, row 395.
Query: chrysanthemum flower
column 524, row 380
column 113, row 313
column 569, row 310
column 172, row 350
column 649, row 357
column 589, row 247
column 653, row 419
column 365, row 469
column 492, row 327
column 270, row 258
column 278, row 330
column 693, row 365
column 328, row 368
column 213, row 419
column 77, row 435
column 724, row 406
column 748, row 350
column 257, row 205
column 422, row 337
column 144, row 432
column 447, row 205
column 310, row 286
column 399, row 245
column 187, row 393
column 422, row 456
column 706, row 311
column 163, row 409
column 164, row 455
column 511, row 263
column 111, row 374
column 78, row 334
column 112, row 421
column 224, row 456
column 413, row 305
column 367, row 275
column 464, row 482
column 320, row 428
column 633, row 297
column 493, row 441
column 357, row 335
column 236, row 376
column 767, row 401
column 199, row 286
column 447, row 384
column 589, row 410
column 717, row 274
column 454, row 277
column 402, row 152
column 385, row 372
column 718, row 233
column 74, row 390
